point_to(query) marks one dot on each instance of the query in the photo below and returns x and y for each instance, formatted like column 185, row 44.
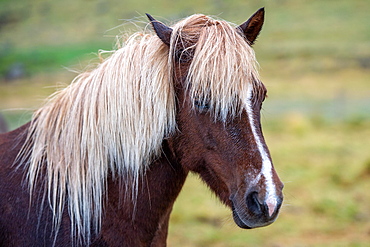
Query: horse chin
column 239, row 222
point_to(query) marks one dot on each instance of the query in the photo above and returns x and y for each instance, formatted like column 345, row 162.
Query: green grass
column 48, row 59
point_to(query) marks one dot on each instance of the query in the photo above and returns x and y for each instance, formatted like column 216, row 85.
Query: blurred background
column 315, row 61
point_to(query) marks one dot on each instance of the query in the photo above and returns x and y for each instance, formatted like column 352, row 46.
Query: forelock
column 223, row 64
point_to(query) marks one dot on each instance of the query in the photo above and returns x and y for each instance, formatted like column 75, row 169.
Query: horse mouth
column 238, row 221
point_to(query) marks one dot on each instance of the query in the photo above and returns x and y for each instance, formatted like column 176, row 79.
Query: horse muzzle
column 253, row 212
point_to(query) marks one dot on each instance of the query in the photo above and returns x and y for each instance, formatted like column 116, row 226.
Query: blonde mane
column 112, row 120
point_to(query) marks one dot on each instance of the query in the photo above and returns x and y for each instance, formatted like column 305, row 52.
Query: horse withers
column 102, row 162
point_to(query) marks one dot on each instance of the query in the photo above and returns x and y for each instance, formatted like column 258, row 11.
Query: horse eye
column 202, row 106
column 183, row 56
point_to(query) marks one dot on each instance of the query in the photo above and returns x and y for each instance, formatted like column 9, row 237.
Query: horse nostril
column 266, row 208
column 253, row 203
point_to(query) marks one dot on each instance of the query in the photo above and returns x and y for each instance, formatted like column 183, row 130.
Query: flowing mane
column 112, row 120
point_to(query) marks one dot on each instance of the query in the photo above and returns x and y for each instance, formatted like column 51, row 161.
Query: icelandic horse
column 102, row 162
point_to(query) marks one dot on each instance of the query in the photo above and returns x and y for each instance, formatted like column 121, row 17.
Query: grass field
column 315, row 61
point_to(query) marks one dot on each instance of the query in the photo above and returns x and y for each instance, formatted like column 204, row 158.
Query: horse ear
column 252, row 27
column 162, row 31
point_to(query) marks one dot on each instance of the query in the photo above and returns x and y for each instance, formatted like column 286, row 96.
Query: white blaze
column 266, row 169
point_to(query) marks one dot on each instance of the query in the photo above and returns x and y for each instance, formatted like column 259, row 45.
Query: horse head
column 219, row 99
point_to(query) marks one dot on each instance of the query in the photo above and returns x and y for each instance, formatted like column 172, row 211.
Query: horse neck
column 147, row 219
column 124, row 223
